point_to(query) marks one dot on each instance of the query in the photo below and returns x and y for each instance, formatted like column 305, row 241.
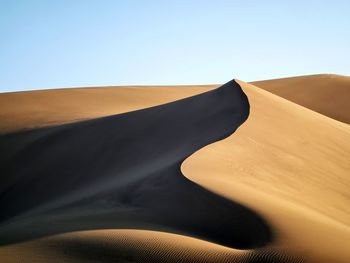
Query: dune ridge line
column 123, row 171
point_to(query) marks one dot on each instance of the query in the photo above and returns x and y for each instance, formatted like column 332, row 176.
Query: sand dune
column 327, row 94
column 280, row 182
column 122, row 171
column 291, row 165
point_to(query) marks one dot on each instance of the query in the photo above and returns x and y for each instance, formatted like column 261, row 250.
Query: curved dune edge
column 42, row 108
column 154, row 196
column 290, row 165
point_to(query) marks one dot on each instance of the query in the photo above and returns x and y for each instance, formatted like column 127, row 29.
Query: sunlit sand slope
column 33, row 109
column 291, row 165
column 327, row 94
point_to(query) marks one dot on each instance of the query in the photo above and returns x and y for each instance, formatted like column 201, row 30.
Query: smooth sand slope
column 327, row 94
column 291, row 165
column 33, row 109
column 286, row 163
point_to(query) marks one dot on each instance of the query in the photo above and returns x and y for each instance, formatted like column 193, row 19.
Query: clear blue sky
column 52, row 44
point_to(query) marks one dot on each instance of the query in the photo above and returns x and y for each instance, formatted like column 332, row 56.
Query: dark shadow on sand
column 123, row 171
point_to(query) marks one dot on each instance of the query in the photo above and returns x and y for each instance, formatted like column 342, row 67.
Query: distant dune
column 41, row 108
column 276, row 190
column 327, row 94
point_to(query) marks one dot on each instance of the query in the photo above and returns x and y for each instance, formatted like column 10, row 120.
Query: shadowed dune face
column 327, row 94
column 123, row 171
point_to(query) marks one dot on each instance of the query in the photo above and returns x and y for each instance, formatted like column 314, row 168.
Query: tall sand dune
column 327, row 94
column 273, row 191
column 123, row 171
column 291, row 165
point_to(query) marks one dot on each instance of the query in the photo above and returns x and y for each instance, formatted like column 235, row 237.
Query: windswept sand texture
column 134, row 246
column 280, row 181
column 327, row 94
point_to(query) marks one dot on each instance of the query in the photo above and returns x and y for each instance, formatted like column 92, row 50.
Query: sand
column 327, row 94
column 286, row 165
column 291, row 165
column 123, row 171
column 133, row 246
column 41, row 108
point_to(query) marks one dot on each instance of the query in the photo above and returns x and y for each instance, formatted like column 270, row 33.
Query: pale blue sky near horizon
column 59, row 44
